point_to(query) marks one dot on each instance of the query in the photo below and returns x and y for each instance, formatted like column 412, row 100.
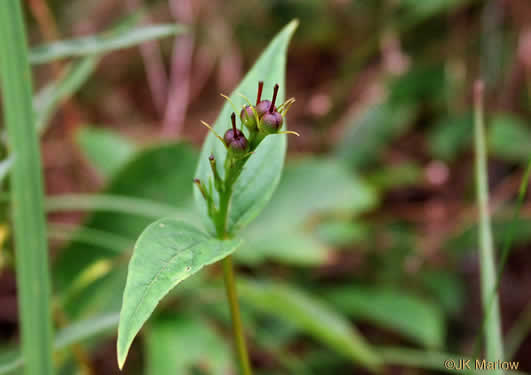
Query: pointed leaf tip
column 166, row 253
column 260, row 177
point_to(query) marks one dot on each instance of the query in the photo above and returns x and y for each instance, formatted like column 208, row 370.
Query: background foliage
column 367, row 249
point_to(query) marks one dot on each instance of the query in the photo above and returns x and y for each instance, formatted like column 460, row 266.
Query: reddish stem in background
column 259, row 95
column 156, row 74
column 234, row 130
column 275, row 92
column 181, row 66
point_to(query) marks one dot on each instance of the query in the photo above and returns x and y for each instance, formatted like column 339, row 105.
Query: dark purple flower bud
column 235, row 139
column 271, row 122
column 262, row 107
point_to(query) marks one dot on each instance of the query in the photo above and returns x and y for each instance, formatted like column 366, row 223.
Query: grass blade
column 27, row 193
column 49, row 98
column 492, row 331
column 102, row 43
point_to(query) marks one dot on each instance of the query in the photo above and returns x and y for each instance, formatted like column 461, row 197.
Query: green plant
column 27, row 193
column 493, row 336
column 25, row 117
column 228, row 197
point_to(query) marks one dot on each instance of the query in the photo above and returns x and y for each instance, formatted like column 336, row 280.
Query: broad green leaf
column 399, row 311
column 152, row 185
column 301, row 195
column 450, row 136
column 261, row 174
column 166, row 253
column 291, row 247
column 509, row 138
column 311, row 316
column 76, row 332
column 107, row 150
column 176, row 343
column 299, row 198
column 102, row 43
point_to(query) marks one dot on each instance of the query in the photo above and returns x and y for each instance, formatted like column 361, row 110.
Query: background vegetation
column 370, row 243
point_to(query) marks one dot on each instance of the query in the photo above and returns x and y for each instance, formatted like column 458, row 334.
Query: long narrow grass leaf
column 493, row 337
column 50, row 97
column 102, row 43
column 509, row 235
column 33, row 280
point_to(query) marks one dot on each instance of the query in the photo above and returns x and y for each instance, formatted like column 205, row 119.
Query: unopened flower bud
column 248, row 117
column 271, row 122
column 235, row 139
column 263, row 107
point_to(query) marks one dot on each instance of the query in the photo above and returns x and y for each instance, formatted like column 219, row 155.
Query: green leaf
column 49, row 98
column 447, row 288
column 107, row 150
column 176, row 343
column 311, row 316
column 26, row 183
column 300, row 197
column 152, row 185
column 396, row 176
column 450, row 136
column 166, row 253
column 289, row 247
column 428, row 8
column 466, row 239
column 102, row 43
column 399, row 311
column 261, row 173
column 339, row 232
column 369, row 134
column 509, row 138
column 422, row 83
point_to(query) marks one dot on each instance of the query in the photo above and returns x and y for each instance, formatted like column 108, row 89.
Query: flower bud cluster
column 260, row 120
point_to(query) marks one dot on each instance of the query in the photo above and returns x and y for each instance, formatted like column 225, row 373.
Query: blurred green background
column 371, row 236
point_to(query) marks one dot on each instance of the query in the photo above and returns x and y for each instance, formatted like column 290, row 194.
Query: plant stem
column 33, row 280
column 220, row 219
column 493, row 337
column 237, row 326
column 509, row 234
column 229, row 276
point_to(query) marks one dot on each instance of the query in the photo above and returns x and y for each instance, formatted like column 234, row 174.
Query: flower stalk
column 257, row 122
